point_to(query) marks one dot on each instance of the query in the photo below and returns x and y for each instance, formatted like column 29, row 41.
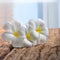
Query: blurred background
column 47, row 10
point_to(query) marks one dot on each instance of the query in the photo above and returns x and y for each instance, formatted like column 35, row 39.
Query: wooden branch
column 48, row 51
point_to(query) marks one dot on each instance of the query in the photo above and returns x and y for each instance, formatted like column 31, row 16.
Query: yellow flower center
column 28, row 36
column 38, row 29
column 16, row 34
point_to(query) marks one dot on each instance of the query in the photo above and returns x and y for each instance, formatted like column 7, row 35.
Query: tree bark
column 48, row 51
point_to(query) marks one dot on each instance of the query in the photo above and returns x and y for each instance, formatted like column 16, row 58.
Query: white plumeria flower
column 16, row 33
column 37, row 31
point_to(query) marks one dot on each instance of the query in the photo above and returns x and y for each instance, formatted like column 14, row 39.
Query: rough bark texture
column 5, row 48
column 48, row 51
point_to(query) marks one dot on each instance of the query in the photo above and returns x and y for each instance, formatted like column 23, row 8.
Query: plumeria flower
column 15, row 31
column 37, row 31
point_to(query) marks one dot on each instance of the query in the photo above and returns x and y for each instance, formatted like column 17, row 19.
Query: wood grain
column 48, row 51
column 5, row 47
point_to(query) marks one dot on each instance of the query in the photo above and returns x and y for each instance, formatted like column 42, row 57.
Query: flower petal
column 32, row 25
column 45, row 31
column 41, row 22
column 27, row 42
column 42, row 38
column 21, row 42
column 34, row 43
column 34, row 35
column 8, row 26
column 19, row 28
column 16, row 25
column 8, row 36
column 17, row 43
column 22, row 30
column 12, row 25
column 43, row 26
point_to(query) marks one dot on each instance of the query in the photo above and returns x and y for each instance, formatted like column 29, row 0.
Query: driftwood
column 48, row 51
column 5, row 48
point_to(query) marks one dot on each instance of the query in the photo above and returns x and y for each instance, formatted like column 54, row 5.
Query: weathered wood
column 5, row 48
column 48, row 51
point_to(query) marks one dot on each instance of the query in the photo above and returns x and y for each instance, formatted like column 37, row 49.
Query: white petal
column 16, row 25
column 34, row 35
column 41, row 22
column 32, row 22
column 27, row 26
column 17, row 43
column 12, row 26
column 34, row 43
column 27, row 43
column 22, row 29
column 45, row 31
column 21, row 42
column 19, row 27
column 42, row 38
column 32, row 25
column 42, row 25
column 8, row 26
column 7, row 36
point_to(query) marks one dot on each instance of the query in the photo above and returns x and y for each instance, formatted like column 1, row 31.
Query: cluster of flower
column 25, row 35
